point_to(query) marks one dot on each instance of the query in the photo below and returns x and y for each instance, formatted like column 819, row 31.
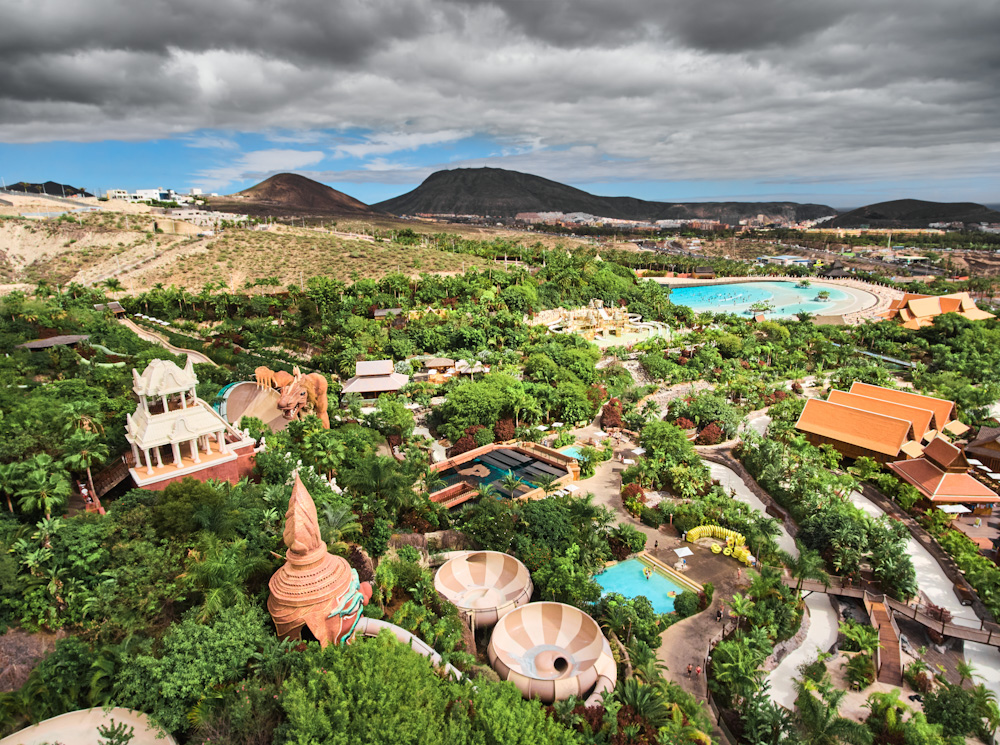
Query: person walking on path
column 697, row 671
column 718, row 615
column 690, row 667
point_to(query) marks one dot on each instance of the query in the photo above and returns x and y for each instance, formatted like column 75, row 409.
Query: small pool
column 573, row 452
column 787, row 298
column 627, row 578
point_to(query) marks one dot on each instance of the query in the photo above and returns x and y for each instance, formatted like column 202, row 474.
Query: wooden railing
column 985, row 633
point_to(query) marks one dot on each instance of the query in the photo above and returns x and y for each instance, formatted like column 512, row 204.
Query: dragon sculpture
column 303, row 395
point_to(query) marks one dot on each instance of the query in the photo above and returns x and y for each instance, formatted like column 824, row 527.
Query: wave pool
column 785, row 297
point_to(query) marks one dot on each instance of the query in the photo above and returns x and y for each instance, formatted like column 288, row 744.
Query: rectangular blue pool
column 573, row 452
column 627, row 578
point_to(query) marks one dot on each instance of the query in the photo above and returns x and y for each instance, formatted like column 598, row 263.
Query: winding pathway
column 934, row 583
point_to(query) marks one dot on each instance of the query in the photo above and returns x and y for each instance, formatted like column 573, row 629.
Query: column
column 145, row 404
column 223, row 445
column 184, row 399
column 149, row 463
column 194, row 450
column 135, row 453
column 178, row 461
column 159, row 457
column 166, row 405
column 208, row 444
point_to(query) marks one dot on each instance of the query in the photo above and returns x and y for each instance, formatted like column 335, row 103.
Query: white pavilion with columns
column 170, row 417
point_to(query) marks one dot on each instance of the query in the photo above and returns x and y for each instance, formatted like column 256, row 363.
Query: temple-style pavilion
column 170, row 417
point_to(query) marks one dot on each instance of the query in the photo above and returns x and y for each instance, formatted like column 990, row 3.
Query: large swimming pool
column 627, row 578
column 786, row 298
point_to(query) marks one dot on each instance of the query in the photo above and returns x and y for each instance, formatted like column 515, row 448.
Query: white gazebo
column 170, row 414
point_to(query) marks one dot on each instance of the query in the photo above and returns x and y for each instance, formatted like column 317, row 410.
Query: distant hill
column 913, row 213
column 51, row 188
column 291, row 194
column 501, row 193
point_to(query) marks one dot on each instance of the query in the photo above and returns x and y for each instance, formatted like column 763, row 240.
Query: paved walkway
column 823, row 631
column 934, row 583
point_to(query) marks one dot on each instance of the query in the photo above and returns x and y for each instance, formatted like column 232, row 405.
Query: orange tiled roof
column 920, row 418
column 939, row 486
column 943, row 410
column 945, row 455
column 863, row 429
column 917, row 311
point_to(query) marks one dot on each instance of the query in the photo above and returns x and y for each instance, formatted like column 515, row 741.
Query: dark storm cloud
column 339, row 32
column 716, row 25
column 590, row 89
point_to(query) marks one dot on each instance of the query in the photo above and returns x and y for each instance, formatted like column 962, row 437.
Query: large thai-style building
column 175, row 435
column 915, row 311
column 880, row 423
column 314, row 595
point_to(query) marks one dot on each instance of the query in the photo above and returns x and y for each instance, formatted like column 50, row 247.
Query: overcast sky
column 838, row 101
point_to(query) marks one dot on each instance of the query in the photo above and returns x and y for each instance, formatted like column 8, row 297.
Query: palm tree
column 547, row 483
column 647, row 701
column 819, row 717
column 966, row 671
column 83, row 415
column 511, row 483
column 487, row 491
column 85, row 450
column 807, row 565
column 336, row 524
column 379, row 476
column 740, row 607
column 886, row 718
column 222, row 573
column 10, row 475
column 865, row 638
column 43, row 490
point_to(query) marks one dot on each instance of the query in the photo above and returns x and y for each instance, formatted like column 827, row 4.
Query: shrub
column 650, row 517
column 708, row 592
column 711, row 435
column 465, row 444
column 815, row 670
column 684, row 423
column 503, row 430
column 686, row 604
column 481, row 435
column 634, row 491
column 860, row 670
column 611, row 415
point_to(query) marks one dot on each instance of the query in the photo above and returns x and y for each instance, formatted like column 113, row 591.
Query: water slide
column 484, row 585
column 80, row 728
column 553, row 651
column 371, row 627
column 249, row 399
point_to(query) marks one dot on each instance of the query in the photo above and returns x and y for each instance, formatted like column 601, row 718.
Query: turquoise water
column 627, row 578
column 572, row 451
column 786, row 298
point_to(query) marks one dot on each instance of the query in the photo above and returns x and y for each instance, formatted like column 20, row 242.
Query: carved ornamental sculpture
column 314, row 589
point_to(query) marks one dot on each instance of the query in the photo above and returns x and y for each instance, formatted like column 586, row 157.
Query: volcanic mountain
column 52, row 188
column 497, row 192
column 913, row 213
column 292, row 194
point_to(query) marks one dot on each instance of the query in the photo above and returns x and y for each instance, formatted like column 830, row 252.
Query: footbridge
column 930, row 618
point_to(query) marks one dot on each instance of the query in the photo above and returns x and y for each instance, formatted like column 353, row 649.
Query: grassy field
column 241, row 256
